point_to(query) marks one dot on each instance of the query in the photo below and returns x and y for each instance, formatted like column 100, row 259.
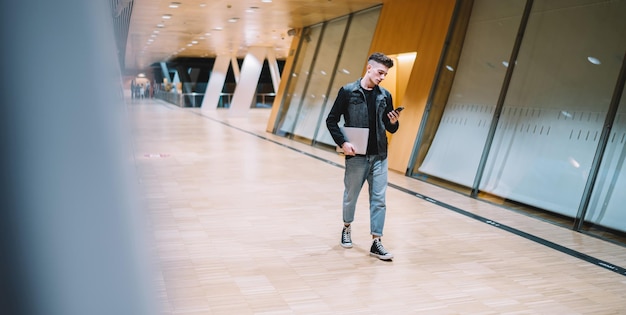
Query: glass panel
column 443, row 85
column 606, row 207
column 456, row 149
column 556, row 104
column 298, row 80
column 309, row 115
column 352, row 62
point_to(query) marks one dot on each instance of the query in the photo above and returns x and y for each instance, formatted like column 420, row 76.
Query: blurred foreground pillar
column 71, row 237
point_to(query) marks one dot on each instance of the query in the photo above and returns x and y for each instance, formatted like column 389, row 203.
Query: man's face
column 376, row 72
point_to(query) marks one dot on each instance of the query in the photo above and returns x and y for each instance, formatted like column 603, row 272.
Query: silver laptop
column 358, row 137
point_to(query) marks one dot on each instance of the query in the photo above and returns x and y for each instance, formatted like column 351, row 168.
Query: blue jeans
column 358, row 169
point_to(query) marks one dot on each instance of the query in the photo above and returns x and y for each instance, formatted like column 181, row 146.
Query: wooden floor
column 245, row 222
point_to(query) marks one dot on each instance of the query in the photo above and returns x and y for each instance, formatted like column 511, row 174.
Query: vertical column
column 182, row 71
column 216, row 83
column 235, row 64
column 245, row 92
column 165, row 72
column 274, row 70
column 287, row 70
column 70, row 225
column 175, row 82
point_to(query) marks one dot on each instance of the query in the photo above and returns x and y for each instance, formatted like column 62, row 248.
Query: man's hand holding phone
column 395, row 114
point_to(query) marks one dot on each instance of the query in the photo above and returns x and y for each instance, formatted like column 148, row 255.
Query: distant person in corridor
column 365, row 104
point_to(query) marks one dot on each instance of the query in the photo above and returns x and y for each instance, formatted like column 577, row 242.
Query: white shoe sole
column 382, row 257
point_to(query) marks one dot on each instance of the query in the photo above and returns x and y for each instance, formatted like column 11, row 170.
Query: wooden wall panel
column 412, row 26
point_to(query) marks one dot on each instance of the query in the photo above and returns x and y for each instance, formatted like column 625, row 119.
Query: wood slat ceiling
column 201, row 28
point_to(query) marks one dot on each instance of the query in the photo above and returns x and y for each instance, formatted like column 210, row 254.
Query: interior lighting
column 594, row 60
column 174, row 5
column 406, row 57
column 233, row 20
column 450, row 68
column 166, row 16
column 160, row 25
column 505, row 63
column 266, row 1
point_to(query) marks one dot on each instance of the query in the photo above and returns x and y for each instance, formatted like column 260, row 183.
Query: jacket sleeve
column 388, row 125
column 332, row 120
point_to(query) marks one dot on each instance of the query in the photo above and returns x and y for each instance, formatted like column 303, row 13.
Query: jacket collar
column 357, row 86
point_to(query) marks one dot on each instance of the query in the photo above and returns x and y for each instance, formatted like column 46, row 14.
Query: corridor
column 246, row 222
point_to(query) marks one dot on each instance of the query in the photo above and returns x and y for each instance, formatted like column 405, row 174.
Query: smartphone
column 399, row 109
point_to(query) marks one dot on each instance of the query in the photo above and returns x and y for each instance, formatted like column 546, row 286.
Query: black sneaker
column 379, row 251
column 346, row 240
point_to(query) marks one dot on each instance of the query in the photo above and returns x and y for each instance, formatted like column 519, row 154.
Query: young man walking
column 365, row 104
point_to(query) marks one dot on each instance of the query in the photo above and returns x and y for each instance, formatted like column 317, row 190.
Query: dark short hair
column 382, row 59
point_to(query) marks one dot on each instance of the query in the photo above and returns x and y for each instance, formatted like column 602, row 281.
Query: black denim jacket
column 351, row 103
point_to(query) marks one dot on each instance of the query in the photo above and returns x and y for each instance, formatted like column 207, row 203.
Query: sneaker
column 346, row 240
column 379, row 251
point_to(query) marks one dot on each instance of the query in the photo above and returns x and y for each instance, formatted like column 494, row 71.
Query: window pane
column 556, row 104
column 352, row 62
column 458, row 144
column 606, row 206
column 298, row 79
column 309, row 115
